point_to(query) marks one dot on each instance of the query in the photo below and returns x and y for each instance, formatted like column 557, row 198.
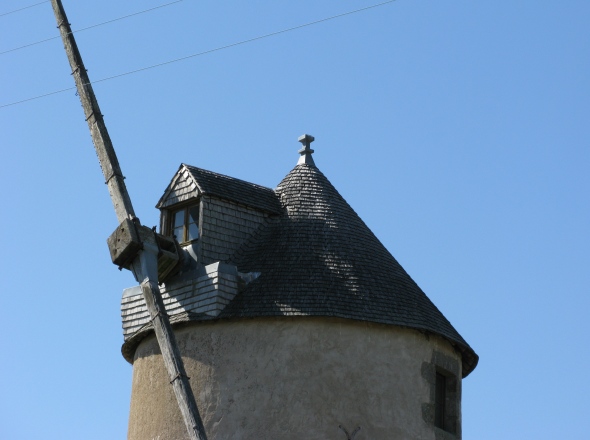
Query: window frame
column 445, row 401
column 443, row 409
column 171, row 217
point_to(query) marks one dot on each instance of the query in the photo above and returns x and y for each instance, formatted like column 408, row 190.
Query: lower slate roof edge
column 469, row 358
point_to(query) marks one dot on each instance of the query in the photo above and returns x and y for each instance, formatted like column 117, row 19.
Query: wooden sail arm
column 100, row 136
column 143, row 253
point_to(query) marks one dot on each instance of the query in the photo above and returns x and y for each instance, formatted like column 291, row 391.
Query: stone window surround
column 451, row 369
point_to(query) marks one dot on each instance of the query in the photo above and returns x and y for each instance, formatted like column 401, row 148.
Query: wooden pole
column 100, row 136
column 145, row 265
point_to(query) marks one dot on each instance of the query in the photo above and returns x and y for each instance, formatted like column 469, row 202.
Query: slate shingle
column 236, row 190
column 318, row 258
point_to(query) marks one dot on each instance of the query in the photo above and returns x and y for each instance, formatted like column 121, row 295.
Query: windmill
column 150, row 256
column 306, row 319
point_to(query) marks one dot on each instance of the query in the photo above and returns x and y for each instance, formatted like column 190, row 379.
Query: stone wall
column 293, row 378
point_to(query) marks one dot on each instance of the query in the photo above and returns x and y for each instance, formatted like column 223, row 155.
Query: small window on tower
column 445, row 402
column 185, row 224
column 442, row 411
column 439, row 401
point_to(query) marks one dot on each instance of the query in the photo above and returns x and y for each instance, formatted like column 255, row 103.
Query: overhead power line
column 176, row 60
column 90, row 27
column 22, row 9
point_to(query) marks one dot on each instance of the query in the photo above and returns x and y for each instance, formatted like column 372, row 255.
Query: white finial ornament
column 306, row 151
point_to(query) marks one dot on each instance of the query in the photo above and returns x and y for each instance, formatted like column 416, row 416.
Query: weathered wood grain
column 100, row 136
column 173, row 360
column 145, row 263
column 124, row 243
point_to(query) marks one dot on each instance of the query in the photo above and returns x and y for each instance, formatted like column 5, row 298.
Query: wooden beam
column 145, row 263
column 100, row 136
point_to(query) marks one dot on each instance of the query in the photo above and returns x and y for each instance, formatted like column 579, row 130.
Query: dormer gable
column 182, row 187
column 215, row 211
column 190, row 182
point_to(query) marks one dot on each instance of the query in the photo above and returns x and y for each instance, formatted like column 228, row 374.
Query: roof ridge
column 226, row 176
column 187, row 168
column 221, row 186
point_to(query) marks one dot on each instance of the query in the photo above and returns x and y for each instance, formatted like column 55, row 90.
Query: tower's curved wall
column 297, row 378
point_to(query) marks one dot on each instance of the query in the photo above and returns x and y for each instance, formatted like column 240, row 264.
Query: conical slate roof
column 318, row 258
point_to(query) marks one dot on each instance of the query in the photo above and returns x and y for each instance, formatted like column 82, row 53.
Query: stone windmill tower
column 292, row 319
column 289, row 316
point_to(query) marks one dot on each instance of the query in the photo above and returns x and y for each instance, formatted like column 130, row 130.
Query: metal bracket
column 178, row 376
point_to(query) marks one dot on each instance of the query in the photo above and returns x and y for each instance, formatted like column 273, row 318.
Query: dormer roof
column 191, row 182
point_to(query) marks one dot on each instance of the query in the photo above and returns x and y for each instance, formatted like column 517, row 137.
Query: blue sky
column 459, row 131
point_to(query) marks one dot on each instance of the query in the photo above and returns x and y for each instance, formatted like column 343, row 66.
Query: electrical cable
column 90, row 27
column 22, row 9
column 205, row 52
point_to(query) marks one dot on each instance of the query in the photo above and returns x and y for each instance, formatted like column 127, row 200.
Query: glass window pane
column 193, row 214
column 178, row 219
column 193, row 223
column 179, row 233
column 193, row 231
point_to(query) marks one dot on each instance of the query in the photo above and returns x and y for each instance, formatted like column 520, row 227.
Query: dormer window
column 184, row 224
